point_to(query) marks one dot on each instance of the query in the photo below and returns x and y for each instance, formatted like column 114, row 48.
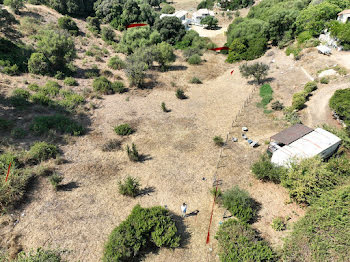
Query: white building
column 299, row 142
column 200, row 14
column 181, row 15
column 344, row 16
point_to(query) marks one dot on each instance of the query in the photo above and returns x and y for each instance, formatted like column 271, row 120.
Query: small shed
column 317, row 142
column 291, row 134
column 344, row 16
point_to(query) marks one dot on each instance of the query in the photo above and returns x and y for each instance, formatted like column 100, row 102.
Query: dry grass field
column 180, row 157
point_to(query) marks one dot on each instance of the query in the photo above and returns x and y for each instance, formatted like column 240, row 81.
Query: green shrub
column 258, row 71
column 144, row 228
column 41, row 99
column 11, row 70
column 322, row 234
column 15, row 5
column 307, row 180
column 239, row 242
column 107, row 34
column 130, row 187
column 19, row 97
column 70, row 81
column 291, row 116
column 59, row 75
column 119, row 87
column 38, row 64
column 5, row 124
column 278, row 224
column 299, row 100
column 132, row 152
column 265, row 170
column 55, row 180
column 295, row 50
column 34, row 87
column 180, row 94
column 324, row 80
column 51, row 88
column 18, row 133
column 340, row 103
column 41, row 151
column 94, row 25
column 164, row 108
column 123, row 130
column 67, row 23
column 240, row 204
column 167, row 9
column 92, row 73
column 40, row 255
column 194, row 59
column 42, row 124
column 116, row 63
column 218, row 140
column 71, row 100
column 195, row 80
column 310, row 87
column 304, row 36
column 103, row 85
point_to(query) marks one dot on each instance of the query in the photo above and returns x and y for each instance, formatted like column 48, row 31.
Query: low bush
column 70, row 81
column 42, row 124
column 180, row 94
column 194, row 59
column 107, row 34
column 51, row 88
column 195, row 80
column 38, row 64
column 119, row 87
column 132, row 152
column 277, row 105
column 111, row 145
column 59, row 75
column 265, row 170
column 323, row 233
column 167, row 9
column 41, row 99
column 123, row 130
column 340, row 103
column 116, row 63
column 92, row 73
column 239, row 242
column 218, row 140
column 103, row 85
column 310, row 87
column 94, row 25
column 278, row 224
column 144, row 228
column 55, row 180
column 164, row 108
column 304, row 36
column 67, row 23
column 71, row 100
column 19, row 97
column 240, row 204
column 41, row 151
column 291, row 116
column 129, row 187
column 39, row 255
column 324, row 80
column 34, row 87
column 299, row 100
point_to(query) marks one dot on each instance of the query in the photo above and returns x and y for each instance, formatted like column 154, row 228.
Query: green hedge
column 340, row 103
column 144, row 228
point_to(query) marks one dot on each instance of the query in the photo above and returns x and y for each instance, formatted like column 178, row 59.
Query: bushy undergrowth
column 104, row 86
column 144, row 228
column 265, row 94
column 218, row 140
column 240, row 204
column 129, row 187
column 278, row 224
column 40, row 255
column 265, row 170
column 123, row 130
column 70, row 81
column 340, row 103
column 323, row 233
column 41, row 151
column 132, row 152
column 180, row 94
column 116, row 63
column 42, row 124
column 239, row 242
column 343, row 134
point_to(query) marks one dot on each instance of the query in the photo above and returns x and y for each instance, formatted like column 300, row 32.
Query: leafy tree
column 144, row 228
column 341, row 32
column 68, row 24
column 135, row 70
column 38, row 64
column 235, row 4
column 57, row 47
column 257, row 70
column 148, row 54
column 171, row 29
column 210, row 21
column 314, row 17
column 239, row 242
column 164, row 55
column 94, row 24
column 107, row 10
column 72, row 7
column 167, row 9
column 131, row 13
column 148, row 14
column 208, row 4
column 154, row 2
column 15, row 5
column 340, row 103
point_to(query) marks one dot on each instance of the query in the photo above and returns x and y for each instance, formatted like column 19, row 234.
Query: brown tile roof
column 346, row 11
column 291, row 134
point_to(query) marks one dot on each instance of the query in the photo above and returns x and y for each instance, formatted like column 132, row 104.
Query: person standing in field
column 184, row 209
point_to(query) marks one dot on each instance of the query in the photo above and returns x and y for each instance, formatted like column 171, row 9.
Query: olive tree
column 257, row 70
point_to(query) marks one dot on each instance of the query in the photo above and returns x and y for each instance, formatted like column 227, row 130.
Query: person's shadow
column 193, row 213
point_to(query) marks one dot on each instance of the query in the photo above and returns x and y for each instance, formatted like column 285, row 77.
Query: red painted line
column 220, row 48
column 135, row 25
column 8, row 172
column 212, row 211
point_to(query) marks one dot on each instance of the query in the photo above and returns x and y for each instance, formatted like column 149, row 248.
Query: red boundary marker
column 8, row 172
column 135, row 25
column 212, row 211
column 220, row 48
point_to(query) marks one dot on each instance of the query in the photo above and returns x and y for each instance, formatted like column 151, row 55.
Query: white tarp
column 318, row 142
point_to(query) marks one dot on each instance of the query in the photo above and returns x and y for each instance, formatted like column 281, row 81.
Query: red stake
column 8, row 172
column 232, row 71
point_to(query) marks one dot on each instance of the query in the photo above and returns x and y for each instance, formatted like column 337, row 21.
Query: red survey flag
column 232, row 71
column 8, row 172
column 135, row 25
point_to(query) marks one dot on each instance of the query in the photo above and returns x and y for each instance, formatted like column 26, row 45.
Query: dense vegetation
column 239, row 242
column 144, row 228
column 340, row 103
